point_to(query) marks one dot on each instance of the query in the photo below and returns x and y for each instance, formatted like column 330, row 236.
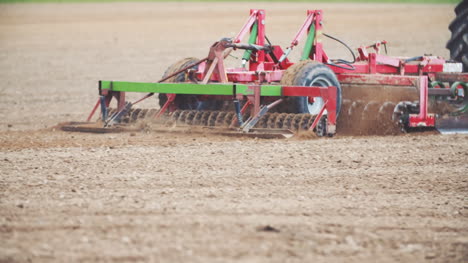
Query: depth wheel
column 310, row 73
column 184, row 102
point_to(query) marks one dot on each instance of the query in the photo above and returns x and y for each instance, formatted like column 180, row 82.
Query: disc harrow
column 368, row 118
column 374, row 94
column 290, row 121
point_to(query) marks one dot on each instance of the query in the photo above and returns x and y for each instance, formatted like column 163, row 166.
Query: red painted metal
column 415, row 121
column 272, row 71
column 170, row 100
column 370, row 67
column 386, row 60
column 422, row 97
column 90, row 116
column 247, row 104
column 248, row 24
column 254, row 99
column 372, row 63
column 313, row 17
column 408, row 69
column 215, row 62
column 319, row 54
column 328, row 94
column 452, row 77
column 143, row 98
column 423, row 119
column 304, row 28
column 119, row 96
column 364, row 54
column 260, row 41
column 319, row 116
column 239, row 76
column 300, row 91
column 331, row 94
column 377, row 79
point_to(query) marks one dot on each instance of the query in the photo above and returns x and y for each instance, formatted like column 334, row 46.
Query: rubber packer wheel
column 458, row 43
column 186, row 102
column 183, row 102
column 310, row 73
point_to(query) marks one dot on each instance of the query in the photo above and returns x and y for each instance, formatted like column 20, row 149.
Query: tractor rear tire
column 458, row 43
column 310, row 73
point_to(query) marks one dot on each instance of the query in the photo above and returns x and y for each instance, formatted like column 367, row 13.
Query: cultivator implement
column 270, row 96
column 257, row 120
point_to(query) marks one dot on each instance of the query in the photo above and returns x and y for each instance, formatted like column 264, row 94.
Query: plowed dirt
column 146, row 196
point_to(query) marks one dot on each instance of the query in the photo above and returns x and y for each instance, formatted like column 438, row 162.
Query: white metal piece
column 453, row 67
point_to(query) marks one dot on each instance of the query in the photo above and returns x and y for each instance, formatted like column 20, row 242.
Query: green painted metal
column 435, row 84
column 454, row 89
column 252, row 40
column 189, row 88
column 309, row 43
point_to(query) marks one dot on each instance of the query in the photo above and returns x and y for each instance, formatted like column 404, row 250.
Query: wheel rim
column 317, row 105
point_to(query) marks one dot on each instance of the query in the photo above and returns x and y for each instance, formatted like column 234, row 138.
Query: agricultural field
column 164, row 197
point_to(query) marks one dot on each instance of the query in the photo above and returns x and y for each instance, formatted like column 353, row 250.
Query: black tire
column 186, row 102
column 463, row 5
column 310, row 73
column 183, row 102
column 458, row 43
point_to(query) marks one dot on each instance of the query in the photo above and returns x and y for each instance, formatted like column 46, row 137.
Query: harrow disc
column 291, row 121
column 370, row 118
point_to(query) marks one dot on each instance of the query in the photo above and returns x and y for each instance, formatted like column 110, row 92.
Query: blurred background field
column 152, row 197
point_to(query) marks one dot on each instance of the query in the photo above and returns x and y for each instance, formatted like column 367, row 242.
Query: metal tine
column 117, row 115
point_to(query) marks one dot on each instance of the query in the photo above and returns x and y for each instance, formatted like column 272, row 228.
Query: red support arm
column 93, row 110
column 423, row 119
column 261, row 35
column 246, row 28
column 305, row 27
column 328, row 94
column 319, row 53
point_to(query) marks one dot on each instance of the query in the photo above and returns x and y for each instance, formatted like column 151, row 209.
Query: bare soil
column 163, row 197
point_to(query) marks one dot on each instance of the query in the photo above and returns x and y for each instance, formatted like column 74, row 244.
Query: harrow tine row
column 291, row 121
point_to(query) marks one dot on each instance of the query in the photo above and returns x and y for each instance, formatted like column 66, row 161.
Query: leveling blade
column 254, row 133
column 452, row 124
column 91, row 127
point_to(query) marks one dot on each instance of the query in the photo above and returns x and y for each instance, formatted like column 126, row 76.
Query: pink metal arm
column 305, row 27
column 319, row 52
column 246, row 28
column 314, row 17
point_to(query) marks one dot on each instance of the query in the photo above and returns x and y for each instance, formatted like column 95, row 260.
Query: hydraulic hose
column 335, row 62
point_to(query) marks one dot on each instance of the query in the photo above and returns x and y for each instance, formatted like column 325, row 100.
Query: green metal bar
column 189, row 88
column 252, row 40
column 309, row 43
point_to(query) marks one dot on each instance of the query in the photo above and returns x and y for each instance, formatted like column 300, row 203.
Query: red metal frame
column 247, row 26
column 118, row 95
column 367, row 63
column 369, row 68
column 423, row 119
column 329, row 95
